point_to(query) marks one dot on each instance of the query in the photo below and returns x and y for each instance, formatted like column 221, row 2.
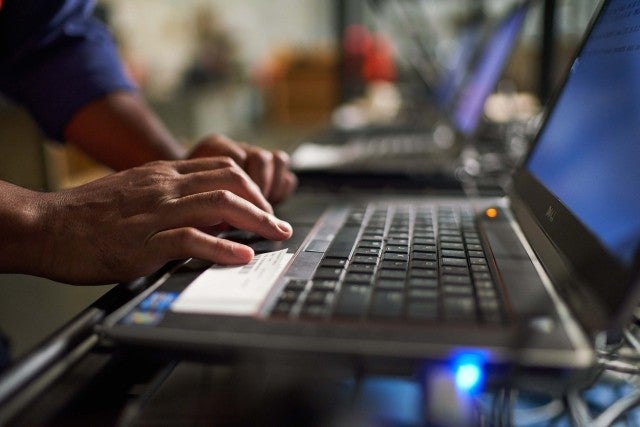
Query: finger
column 288, row 184
column 187, row 242
column 212, row 208
column 202, row 164
column 219, row 145
column 231, row 179
column 284, row 181
column 259, row 166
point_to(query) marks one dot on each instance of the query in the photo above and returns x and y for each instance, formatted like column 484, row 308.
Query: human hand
column 131, row 223
column 269, row 169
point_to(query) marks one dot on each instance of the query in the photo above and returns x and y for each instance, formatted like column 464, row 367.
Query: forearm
column 121, row 131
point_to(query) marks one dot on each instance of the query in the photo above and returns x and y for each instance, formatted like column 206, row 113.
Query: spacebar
column 343, row 243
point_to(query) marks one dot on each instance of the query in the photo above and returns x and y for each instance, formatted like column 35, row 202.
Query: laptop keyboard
column 384, row 146
column 396, row 263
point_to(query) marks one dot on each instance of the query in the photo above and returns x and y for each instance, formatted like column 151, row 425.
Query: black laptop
column 528, row 280
column 432, row 145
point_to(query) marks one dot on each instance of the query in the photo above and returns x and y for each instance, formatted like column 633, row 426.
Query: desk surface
column 129, row 389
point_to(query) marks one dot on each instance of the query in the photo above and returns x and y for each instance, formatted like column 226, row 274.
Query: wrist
column 23, row 223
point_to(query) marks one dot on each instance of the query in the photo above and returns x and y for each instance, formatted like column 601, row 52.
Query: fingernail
column 285, row 227
column 245, row 253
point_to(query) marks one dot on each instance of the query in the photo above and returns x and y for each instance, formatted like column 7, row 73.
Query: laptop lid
column 420, row 42
column 466, row 111
column 576, row 194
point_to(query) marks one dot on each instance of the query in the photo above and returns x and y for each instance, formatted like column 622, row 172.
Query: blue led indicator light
column 468, row 372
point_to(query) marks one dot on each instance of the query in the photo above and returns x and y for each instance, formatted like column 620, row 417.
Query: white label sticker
column 235, row 290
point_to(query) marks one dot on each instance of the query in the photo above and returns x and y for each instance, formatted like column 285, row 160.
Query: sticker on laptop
column 233, row 290
column 151, row 310
column 140, row 317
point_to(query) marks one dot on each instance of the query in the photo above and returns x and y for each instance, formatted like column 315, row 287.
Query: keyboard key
column 419, row 293
column 361, row 268
column 318, row 297
column 395, row 257
column 392, row 274
column 457, row 290
column 333, row 262
column 424, row 264
column 296, row 285
column 454, row 262
column 324, row 285
column 352, row 301
column 370, row 244
column 327, row 273
column 484, row 284
column 362, row 259
column 447, row 269
column 460, row 308
column 449, row 253
column 387, row 304
column 400, row 249
column 422, row 310
column 418, row 272
column 453, row 246
column 451, row 239
column 419, row 282
column 449, row 230
column 486, row 294
column 282, row 309
column 431, row 241
column 372, row 235
column 289, row 297
column 367, row 252
column 358, row 278
column 343, row 243
column 313, row 311
column 423, row 256
column 389, row 284
column 481, row 276
column 394, row 265
column 424, row 248
column 477, row 261
column 456, row 280
column 476, row 254
column 397, row 241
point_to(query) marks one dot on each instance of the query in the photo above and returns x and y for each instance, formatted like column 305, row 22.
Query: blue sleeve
column 55, row 58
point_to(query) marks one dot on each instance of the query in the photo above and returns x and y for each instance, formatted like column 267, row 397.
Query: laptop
column 529, row 280
column 425, row 148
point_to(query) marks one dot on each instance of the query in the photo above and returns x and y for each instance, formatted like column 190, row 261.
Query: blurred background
column 272, row 73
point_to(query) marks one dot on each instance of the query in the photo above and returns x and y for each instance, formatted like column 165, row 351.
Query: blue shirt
column 55, row 58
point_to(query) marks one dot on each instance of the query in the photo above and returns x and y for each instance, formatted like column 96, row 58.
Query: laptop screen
column 587, row 154
column 468, row 108
column 456, row 70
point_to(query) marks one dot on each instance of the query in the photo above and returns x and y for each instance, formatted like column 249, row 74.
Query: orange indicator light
column 491, row 212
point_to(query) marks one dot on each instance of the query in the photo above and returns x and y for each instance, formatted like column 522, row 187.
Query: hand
column 269, row 169
column 131, row 223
